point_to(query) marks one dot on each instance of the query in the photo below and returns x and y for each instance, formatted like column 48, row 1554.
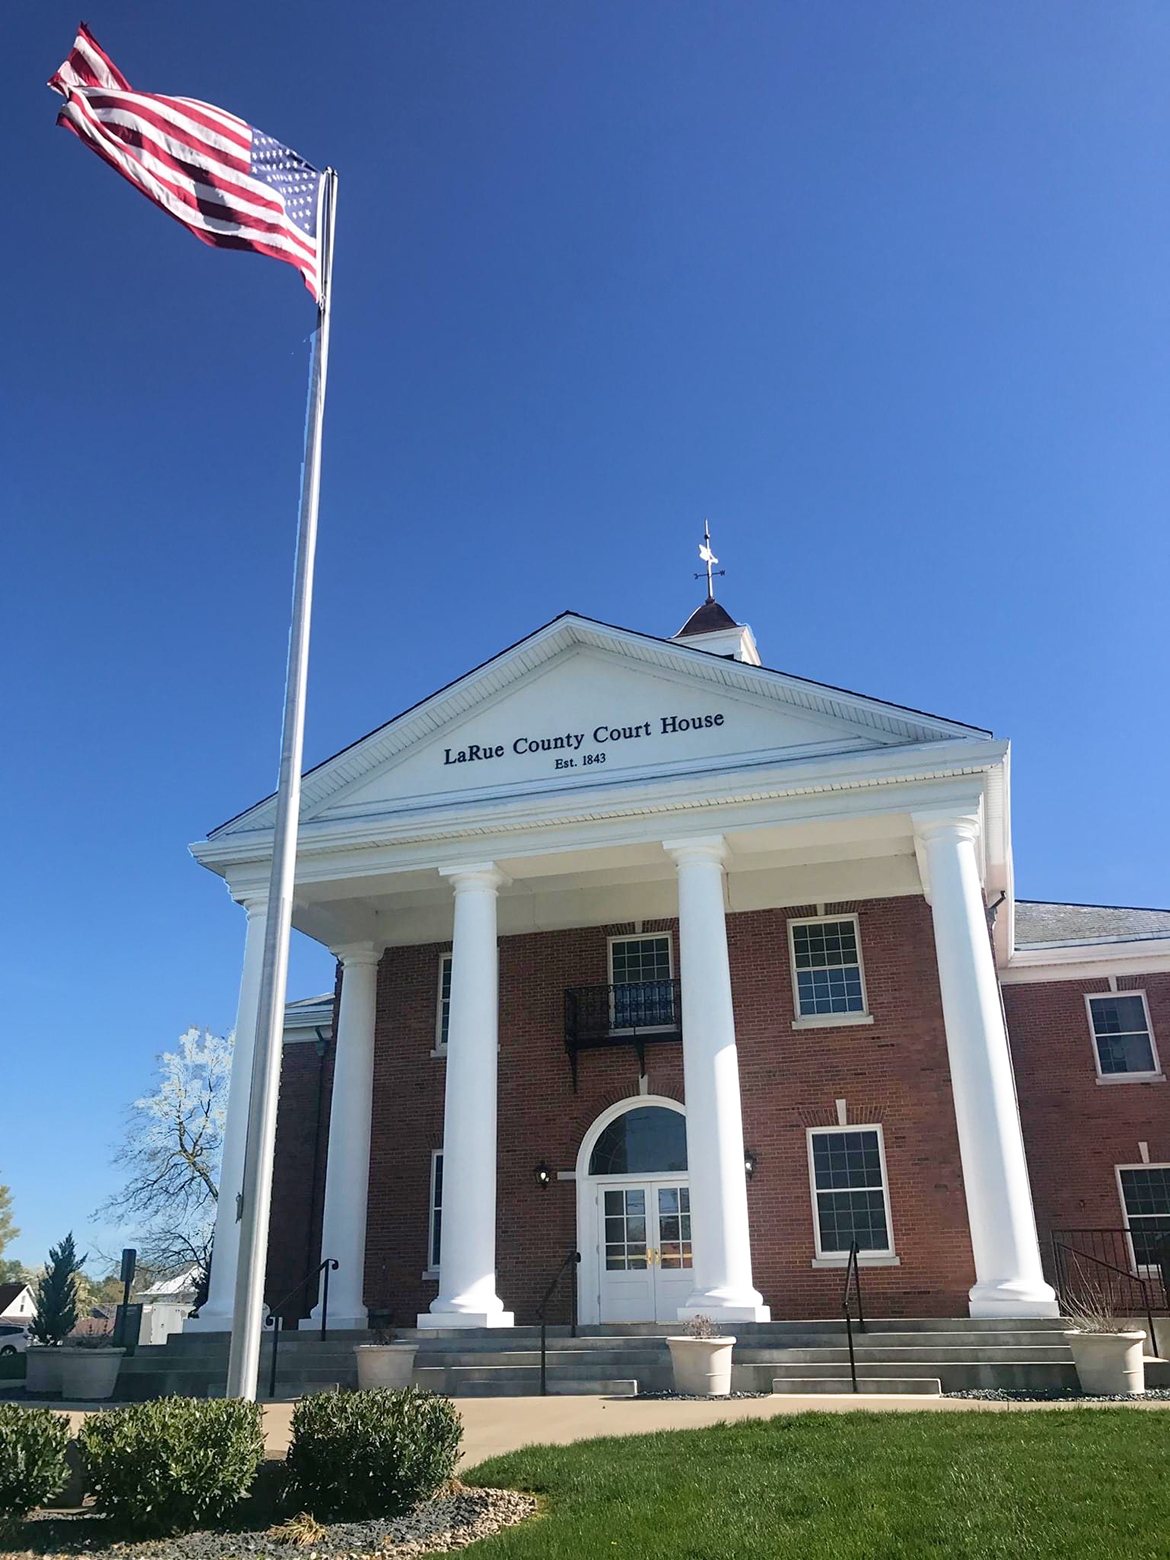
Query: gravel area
column 993, row 1395
column 694, row 1397
column 457, row 1517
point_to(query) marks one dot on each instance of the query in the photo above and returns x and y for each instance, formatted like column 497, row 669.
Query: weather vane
column 710, row 560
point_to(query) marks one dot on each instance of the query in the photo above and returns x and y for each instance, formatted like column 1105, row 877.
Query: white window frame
column 886, row 1258
column 1154, row 1076
column 432, row 1269
column 826, row 1020
column 440, row 1045
column 1155, row 1164
column 637, row 937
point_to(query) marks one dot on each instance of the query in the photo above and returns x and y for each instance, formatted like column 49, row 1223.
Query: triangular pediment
column 580, row 702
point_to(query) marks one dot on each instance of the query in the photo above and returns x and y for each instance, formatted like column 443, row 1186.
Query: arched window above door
column 647, row 1140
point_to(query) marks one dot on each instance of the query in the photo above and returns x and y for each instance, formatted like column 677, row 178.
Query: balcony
column 638, row 1014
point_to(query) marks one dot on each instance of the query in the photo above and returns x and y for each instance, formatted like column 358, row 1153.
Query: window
column 1122, row 1038
column 827, row 977
column 641, row 971
column 850, row 1196
column 444, row 1014
column 647, row 1140
column 436, row 1210
column 1145, row 1195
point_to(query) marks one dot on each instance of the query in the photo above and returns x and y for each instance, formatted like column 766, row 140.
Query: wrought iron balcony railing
column 636, row 1013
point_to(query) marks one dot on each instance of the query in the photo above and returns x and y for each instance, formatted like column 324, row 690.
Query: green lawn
column 858, row 1486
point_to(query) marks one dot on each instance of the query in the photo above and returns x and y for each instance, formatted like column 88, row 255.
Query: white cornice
column 1088, row 961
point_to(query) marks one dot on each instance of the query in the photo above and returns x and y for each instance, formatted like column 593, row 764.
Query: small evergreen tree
column 56, row 1294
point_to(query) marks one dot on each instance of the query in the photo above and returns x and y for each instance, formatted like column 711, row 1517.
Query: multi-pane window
column 826, row 965
column 674, row 1226
column 444, row 1022
column 436, row 1209
column 1121, row 1033
column 643, row 990
column 849, row 1191
column 1146, row 1193
column 625, row 1228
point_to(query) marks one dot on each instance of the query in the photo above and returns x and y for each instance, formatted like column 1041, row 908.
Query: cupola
column 711, row 627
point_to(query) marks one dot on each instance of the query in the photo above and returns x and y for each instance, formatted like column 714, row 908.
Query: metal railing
column 273, row 1319
column 1142, row 1255
column 1086, row 1280
column 571, row 1261
column 637, row 1013
column 852, row 1285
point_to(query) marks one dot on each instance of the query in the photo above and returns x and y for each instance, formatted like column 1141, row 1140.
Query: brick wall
column 1077, row 1130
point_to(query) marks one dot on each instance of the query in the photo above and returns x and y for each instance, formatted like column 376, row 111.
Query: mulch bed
column 458, row 1516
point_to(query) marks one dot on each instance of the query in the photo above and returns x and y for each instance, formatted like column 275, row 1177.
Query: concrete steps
column 917, row 1386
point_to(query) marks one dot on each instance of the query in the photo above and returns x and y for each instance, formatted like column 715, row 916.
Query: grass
column 1017, row 1485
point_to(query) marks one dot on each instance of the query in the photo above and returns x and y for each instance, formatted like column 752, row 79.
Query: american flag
column 225, row 181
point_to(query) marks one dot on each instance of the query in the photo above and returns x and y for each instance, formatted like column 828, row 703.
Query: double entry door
column 645, row 1227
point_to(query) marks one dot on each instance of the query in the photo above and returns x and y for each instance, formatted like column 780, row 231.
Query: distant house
column 16, row 1302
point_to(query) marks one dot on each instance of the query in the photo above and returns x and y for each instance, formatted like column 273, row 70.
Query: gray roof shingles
column 1040, row 924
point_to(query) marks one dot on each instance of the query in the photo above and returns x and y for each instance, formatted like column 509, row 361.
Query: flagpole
column 256, row 1195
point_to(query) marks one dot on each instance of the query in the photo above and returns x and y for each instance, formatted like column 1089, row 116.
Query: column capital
column 932, row 826
column 705, row 847
column 254, row 904
column 476, row 876
column 357, row 953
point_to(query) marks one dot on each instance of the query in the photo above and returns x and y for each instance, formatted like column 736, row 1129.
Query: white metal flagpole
column 248, row 1310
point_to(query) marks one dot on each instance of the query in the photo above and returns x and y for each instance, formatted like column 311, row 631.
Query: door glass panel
column 625, row 1229
column 674, row 1227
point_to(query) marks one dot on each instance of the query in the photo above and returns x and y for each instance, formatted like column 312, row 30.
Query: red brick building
column 700, row 970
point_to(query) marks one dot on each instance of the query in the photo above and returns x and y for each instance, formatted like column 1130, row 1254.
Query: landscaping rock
column 1002, row 1395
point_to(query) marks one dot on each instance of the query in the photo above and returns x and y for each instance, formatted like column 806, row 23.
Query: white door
column 645, row 1253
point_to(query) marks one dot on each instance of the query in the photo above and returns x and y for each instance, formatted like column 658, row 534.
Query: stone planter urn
column 89, row 1374
column 42, row 1368
column 1110, row 1364
column 702, row 1366
column 385, row 1364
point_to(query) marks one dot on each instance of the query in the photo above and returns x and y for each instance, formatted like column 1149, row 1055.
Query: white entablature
column 570, row 754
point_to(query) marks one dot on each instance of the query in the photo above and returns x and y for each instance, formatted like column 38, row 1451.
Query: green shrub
column 370, row 1454
column 32, row 1459
column 173, row 1464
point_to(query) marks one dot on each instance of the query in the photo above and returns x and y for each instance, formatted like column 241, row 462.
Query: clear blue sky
column 882, row 289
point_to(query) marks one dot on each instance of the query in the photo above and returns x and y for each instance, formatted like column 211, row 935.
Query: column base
column 440, row 1321
column 726, row 1313
column 338, row 1321
column 1018, row 1297
column 208, row 1322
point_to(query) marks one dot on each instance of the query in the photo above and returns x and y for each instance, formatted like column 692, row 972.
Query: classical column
column 347, row 1167
column 720, row 1243
column 467, row 1258
column 215, row 1314
column 1009, row 1280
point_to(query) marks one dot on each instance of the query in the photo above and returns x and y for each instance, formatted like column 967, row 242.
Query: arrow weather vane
column 710, row 560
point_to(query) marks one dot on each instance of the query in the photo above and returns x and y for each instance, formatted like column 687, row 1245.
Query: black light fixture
column 749, row 1162
column 543, row 1174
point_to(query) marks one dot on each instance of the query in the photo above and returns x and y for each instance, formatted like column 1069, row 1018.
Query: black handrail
column 1064, row 1287
column 852, row 1281
column 330, row 1265
column 571, row 1261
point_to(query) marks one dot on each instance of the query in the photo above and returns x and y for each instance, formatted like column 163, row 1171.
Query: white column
column 720, row 1243
column 1009, row 1280
column 347, row 1167
column 215, row 1314
column 467, row 1258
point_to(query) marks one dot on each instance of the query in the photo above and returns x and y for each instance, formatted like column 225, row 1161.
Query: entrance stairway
column 923, row 1356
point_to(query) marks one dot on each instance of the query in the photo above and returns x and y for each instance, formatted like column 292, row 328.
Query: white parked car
column 14, row 1337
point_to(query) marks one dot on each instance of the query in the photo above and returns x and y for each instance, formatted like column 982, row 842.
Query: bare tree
column 171, row 1155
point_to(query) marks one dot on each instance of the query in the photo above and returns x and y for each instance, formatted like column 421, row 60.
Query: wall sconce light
column 749, row 1162
column 543, row 1174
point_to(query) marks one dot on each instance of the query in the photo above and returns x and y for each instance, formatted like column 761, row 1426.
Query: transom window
column 1145, row 1191
column 850, row 1193
column 444, row 1011
column 826, row 967
column 1122, row 1037
column 648, row 1140
column 641, row 971
column 436, row 1209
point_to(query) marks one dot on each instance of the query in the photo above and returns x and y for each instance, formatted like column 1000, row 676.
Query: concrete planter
column 385, row 1364
column 702, row 1366
column 89, row 1374
column 1110, row 1364
column 42, row 1368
